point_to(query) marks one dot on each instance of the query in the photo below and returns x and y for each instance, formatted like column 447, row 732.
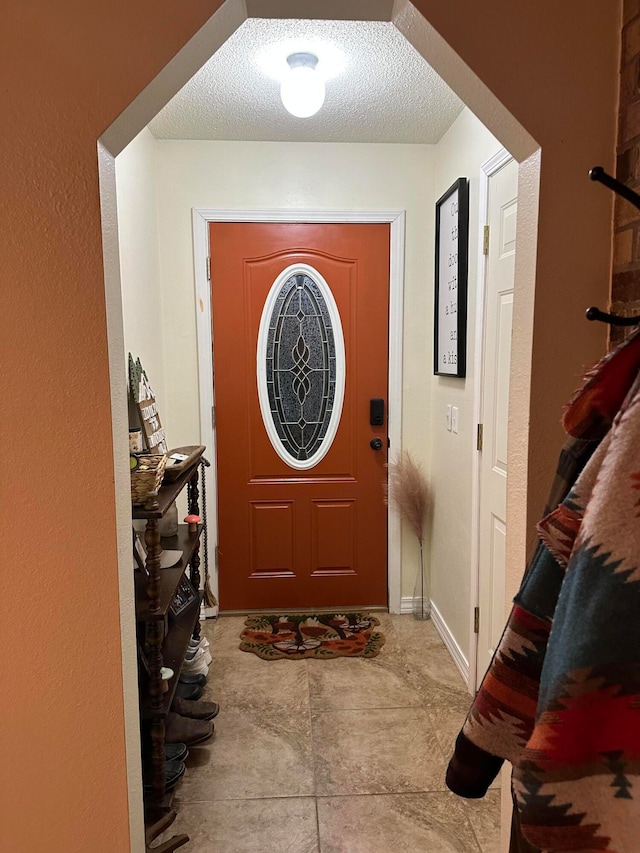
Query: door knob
column 375, row 443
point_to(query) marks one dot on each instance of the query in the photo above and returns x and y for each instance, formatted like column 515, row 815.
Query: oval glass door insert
column 300, row 366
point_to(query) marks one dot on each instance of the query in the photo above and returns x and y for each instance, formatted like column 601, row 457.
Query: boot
column 174, row 770
column 200, row 680
column 179, row 729
column 175, row 752
column 188, row 691
column 195, row 710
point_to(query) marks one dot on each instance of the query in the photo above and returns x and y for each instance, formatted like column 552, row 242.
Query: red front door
column 300, row 344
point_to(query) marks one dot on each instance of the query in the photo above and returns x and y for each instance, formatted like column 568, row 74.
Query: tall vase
column 421, row 591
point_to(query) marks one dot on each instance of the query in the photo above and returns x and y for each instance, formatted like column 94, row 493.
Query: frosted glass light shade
column 302, row 90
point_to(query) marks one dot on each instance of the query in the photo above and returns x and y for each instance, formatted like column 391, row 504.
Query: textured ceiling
column 379, row 89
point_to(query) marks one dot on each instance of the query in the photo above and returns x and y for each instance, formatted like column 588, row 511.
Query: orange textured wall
column 69, row 68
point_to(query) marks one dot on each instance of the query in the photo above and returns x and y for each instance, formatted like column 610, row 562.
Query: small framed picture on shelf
column 183, row 597
column 139, row 553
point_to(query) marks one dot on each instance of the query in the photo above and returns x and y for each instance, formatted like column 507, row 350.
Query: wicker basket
column 147, row 477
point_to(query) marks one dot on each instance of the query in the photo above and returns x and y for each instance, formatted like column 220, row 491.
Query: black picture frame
column 451, row 281
column 184, row 595
column 139, row 552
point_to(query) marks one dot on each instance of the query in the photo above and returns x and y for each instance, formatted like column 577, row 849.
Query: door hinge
column 479, row 437
column 485, row 243
column 476, row 620
column 209, row 268
column 213, row 417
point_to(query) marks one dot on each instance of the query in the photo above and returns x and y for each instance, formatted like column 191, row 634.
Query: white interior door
column 502, row 212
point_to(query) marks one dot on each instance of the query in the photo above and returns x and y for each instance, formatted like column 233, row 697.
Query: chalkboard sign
column 452, row 258
column 144, row 398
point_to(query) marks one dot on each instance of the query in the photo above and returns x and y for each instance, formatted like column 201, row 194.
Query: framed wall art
column 145, row 400
column 452, row 262
column 184, row 595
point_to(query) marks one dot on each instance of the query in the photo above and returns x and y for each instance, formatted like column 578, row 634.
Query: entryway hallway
column 339, row 756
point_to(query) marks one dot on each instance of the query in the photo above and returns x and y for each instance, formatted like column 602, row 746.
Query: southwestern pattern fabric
column 561, row 699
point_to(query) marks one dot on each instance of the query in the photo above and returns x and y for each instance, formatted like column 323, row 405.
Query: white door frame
column 396, row 219
column 487, row 169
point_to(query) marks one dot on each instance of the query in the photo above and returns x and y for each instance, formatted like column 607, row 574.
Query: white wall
column 160, row 182
column 246, row 175
column 158, row 276
column 139, row 259
column 459, row 154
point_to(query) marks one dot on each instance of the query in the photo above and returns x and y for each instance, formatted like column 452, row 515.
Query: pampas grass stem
column 408, row 493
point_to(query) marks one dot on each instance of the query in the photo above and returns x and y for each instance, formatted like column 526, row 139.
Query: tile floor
column 339, row 756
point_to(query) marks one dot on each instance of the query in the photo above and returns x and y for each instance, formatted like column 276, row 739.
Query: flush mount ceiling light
column 302, row 88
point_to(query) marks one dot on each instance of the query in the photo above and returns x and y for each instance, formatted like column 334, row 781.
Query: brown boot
column 195, row 710
column 179, row 729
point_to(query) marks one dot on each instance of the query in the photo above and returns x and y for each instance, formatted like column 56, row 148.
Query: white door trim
column 487, row 169
column 396, row 219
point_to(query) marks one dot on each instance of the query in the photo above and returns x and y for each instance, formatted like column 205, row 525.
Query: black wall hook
column 598, row 174
column 594, row 313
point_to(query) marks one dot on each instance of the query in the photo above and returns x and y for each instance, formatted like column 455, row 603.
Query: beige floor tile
column 376, row 751
column 385, row 619
column 415, row 823
column 356, row 683
column 415, row 632
column 254, row 754
column 439, row 665
column 372, row 737
column 208, row 628
column 226, row 635
column 484, row 815
column 447, row 711
column 247, row 826
column 244, row 681
column 433, row 670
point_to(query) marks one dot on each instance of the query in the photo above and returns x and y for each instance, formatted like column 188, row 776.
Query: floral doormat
column 322, row 636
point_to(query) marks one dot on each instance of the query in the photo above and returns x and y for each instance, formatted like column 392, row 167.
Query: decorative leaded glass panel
column 302, row 376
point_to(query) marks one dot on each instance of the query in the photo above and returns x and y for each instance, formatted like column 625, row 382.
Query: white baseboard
column 406, row 606
column 450, row 642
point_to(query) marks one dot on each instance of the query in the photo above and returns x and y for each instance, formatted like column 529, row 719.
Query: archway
column 525, row 491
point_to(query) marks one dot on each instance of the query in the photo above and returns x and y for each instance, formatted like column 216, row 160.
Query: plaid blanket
column 561, row 699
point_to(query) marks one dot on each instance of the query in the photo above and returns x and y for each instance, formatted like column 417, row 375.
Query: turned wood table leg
column 157, row 760
column 193, row 498
column 154, row 642
column 154, row 639
column 152, row 541
column 194, row 574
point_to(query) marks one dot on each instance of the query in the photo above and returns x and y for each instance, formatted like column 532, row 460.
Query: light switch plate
column 454, row 419
column 449, row 418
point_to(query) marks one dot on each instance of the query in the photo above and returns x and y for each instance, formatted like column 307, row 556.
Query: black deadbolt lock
column 376, row 411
